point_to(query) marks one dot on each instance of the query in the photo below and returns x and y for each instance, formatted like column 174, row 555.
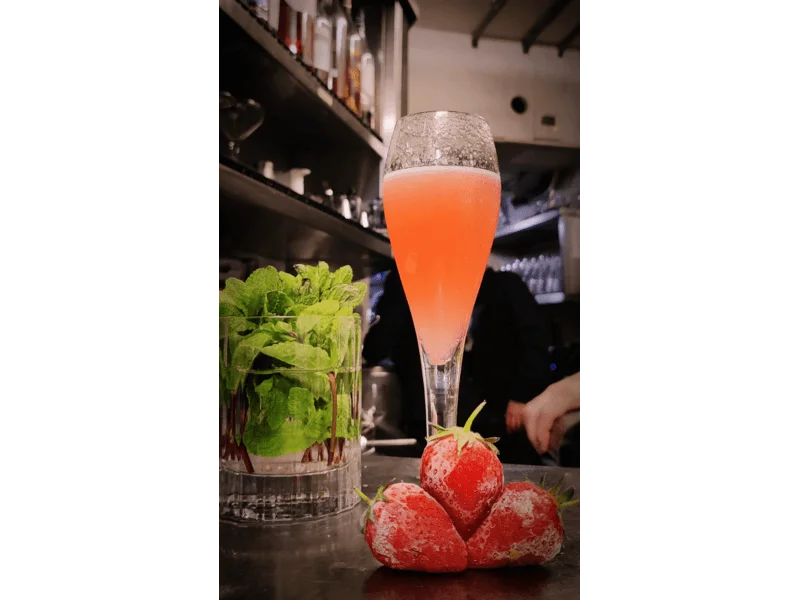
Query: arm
column 544, row 422
column 542, row 417
column 568, row 393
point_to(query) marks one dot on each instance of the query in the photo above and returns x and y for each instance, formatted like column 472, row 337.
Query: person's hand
column 543, row 415
column 515, row 416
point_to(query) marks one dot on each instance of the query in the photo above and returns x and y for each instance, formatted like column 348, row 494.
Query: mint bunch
column 283, row 379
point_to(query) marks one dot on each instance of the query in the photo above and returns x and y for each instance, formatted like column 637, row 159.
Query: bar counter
column 328, row 558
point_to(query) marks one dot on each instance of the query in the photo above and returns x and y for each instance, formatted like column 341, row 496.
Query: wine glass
column 441, row 199
column 238, row 120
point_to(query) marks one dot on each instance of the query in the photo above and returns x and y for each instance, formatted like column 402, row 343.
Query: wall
column 446, row 73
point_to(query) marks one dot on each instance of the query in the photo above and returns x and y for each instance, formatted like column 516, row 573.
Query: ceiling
column 512, row 22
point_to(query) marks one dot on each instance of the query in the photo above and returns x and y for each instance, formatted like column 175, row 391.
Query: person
column 505, row 358
column 543, row 417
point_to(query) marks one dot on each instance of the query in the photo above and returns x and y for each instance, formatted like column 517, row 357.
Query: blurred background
column 310, row 91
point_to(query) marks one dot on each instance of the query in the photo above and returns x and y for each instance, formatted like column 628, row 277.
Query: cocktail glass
column 238, row 120
column 441, row 198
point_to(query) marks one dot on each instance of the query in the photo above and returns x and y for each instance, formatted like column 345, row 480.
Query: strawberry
column 405, row 528
column 461, row 470
column 523, row 527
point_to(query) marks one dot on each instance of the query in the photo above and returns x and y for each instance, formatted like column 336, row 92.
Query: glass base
column 280, row 498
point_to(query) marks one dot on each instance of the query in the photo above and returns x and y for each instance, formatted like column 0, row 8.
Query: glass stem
column 441, row 389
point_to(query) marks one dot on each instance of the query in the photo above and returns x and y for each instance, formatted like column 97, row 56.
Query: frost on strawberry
column 406, row 529
column 461, row 470
column 524, row 527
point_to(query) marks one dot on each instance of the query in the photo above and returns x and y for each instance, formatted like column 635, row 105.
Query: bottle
column 261, row 8
column 337, row 81
column 274, row 15
column 322, row 41
column 355, row 204
column 287, row 25
column 307, row 13
column 344, row 207
column 354, row 43
column 296, row 27
column 367, row 85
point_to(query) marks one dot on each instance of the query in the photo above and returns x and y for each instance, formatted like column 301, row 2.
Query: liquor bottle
column 288, row 25
column 354, row 44
column 337, row 81
column 296, row 27
column 355, row 204
column 307, row 13
column 275, row 14
column 322, row 41
column 261, row 8
column 367, row 99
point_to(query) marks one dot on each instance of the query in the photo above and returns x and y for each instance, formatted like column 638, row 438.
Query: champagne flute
column 441, row 203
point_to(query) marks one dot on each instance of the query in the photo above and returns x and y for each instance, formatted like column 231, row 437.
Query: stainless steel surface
column 543, row 221
column 365, row 443
column 556, row 298
column 381, row 393
column 328, row 558
column 236, row 11
column 248, row 189
column 569, row 240
column 398, row 442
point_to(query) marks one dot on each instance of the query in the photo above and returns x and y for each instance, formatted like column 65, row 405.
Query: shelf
column 556, row 298
column 242, row 183
column 545, row 220
column 316, row 92
column 532, row 230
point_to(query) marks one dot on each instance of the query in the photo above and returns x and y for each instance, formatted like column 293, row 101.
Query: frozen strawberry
column 523, row 527
column 461, row 470
column 407, row 529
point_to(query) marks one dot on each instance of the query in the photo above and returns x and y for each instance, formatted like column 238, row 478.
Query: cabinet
column 304, row 126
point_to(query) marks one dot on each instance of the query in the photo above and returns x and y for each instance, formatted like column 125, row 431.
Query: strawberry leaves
column 463, row 435
column 563, row 499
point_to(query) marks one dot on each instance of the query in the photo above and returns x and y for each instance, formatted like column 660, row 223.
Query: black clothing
column 508, row 359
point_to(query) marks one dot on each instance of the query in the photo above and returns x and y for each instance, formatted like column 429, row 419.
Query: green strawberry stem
column 379, row 497
column 463, row 436
column 563, row 499
column 363, row 496
column 474, row 414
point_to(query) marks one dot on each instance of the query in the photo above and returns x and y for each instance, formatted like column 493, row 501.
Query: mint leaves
column 283, row 366
column 302, row 356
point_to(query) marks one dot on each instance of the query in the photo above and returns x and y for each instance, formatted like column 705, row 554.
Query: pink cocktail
column 441, row 196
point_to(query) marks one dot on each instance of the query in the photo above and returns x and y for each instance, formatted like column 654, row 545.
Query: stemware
column 441, row 199
column 238, row 120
